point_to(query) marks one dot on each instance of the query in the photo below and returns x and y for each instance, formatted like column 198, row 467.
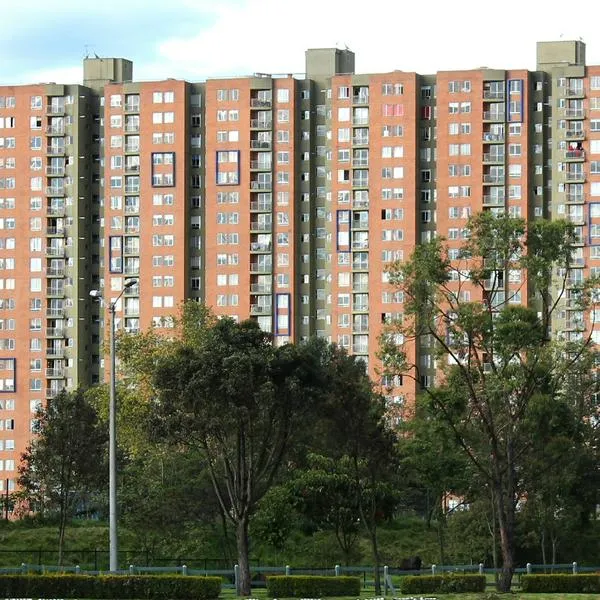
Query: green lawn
column 490, row 595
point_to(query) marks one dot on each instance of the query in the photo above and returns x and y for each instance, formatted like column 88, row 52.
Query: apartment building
column 277, row 197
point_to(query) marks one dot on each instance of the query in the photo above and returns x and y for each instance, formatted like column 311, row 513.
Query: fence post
column 433, row 568
column 24, row 567
column 131, row 570
column 481, row 568
column 236, row 579
column 574, row 568
column 528, row 568
column 288, row 570
column 77, row 569
column 184, row 569
column 337, row 570
column 385, row 579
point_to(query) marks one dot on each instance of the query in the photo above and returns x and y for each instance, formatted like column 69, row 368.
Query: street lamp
column 112, row 431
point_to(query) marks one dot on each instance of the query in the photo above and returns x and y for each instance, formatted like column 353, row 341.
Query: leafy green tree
column 226, row 392
column 64, row 463
column 499, row 360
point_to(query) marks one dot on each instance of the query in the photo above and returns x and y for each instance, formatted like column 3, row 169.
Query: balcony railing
column 131, row 249
column 261, row 185
column 132, row 189
column 261, row 123
column 132, row 168
column 260, row 226
column 55, row 352
column 259, row 247
column 55, row 272
column 489, row 200
column 55, row 230
column 574, row 91
column 59, row 373
column 55, row 313
column 256, row 309
column 261, row 206
column 134, row 290
column 260, row 164
column 131, row 128
column 577, row 113
column 493, row 137
column 360, row 162
column 55, row 130
column 360, row 224
column 489, row 115
column 576, row 198
column 577, row 134
column 55, row 109
column 55, row 191
column 493, row 157
column 360, row 307
column 260, row 145
column 258, row 103
column 360, row 245
column 132, row 147
column 55, row 150
column 360, row 266
column 360, row 328
column 360, row 99
column 55, row 291
column 260, row 288
column 131, row 107
column 575, row 155
column 575, row 176
column 359, row 121
column 55, row 332
column 261, row 268
column 55, row 211
column 362, row 140
column 493, row 178
column 132, row 209
column 55, row 171
column 493, row 94
column 59, row 252
column 360, row 182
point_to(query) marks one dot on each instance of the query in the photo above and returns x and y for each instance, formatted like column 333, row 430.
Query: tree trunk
column 506, row 525
column 554, row 548
column 376, row 559
column 62, row 526
column 440, row 528
column 543, row 545
column 244, row 587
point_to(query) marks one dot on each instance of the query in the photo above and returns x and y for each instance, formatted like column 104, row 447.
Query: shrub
column 311, row 586
column 129, row 587
column 444, row 584
column 568, row 584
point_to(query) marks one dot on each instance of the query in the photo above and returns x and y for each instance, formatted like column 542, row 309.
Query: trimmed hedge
column 311, row 586
column 562, row 583
column 126, row 587
column 443, row 584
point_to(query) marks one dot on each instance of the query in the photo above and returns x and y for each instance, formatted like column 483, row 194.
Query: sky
column 43, row 41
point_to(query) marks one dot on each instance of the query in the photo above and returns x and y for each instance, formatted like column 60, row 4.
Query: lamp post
column 112, row 431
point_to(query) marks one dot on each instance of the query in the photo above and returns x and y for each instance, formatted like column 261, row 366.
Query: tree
column 229, row 393
column 64, row 463
column 498, row 358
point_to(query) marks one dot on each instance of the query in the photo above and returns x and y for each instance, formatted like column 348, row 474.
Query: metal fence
column 230, row 574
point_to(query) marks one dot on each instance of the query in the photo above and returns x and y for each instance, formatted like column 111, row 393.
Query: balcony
column 132, row 228
column 55, row 190
column 487, row 178
column 360, row 182
column 360, row 224
column 55, row 130
column 53, row 230
column 55, row 332
column 360, row 307
column 58, row 252
column 573, row 113
column 55, row 109
column 132, row 148
column 55, row 271
column 55, row 171
column 360, row 99
column 55, row 291
column 259, row 247
column 576, row 198
column 493, row 157
column 260, row 145
column 131, row 249
column 489, row 200
column 131, row 128
column 131, row 312
column 360, row 162
column 134, row 290
column 258, row 103
column 362, row 140
column 261, row 185
column 360, row 245
column 55, row 211
column 55, row 373
column 577, row 92
column 360, row 287
column 53, row 392
column 360, row 265
column 131, row 107
column 575, row 134
column 261, row 267
column 260, row 165
column 490, row 115
column 493, row 138
column 260, row 288
column 255, row 226
column 55, row 150
column 131, row 271
column 55, row 352
column 360, row 328
column 578, row 176
column 132, row 189
column 261, row 123
column 132, row 209
column 257, row 309
column 575, row 155
column 132, row 168
column 261, row 206
column 497, row 95
column 55, row 313
column 360, row 121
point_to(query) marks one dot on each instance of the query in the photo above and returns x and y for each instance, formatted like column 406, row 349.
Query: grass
column 229, row 594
